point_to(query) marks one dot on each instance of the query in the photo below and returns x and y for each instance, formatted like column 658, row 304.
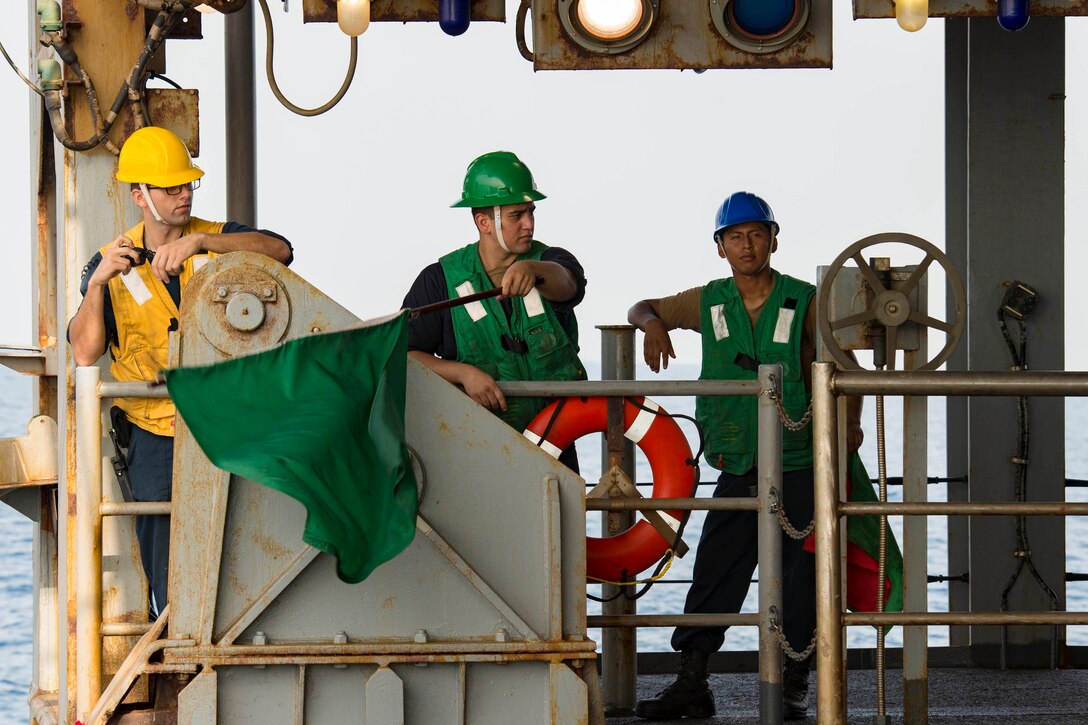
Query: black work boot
column 689, row 696
column 795, row 689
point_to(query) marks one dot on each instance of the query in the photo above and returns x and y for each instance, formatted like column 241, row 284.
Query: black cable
column 1018, row 353
column 155, row 75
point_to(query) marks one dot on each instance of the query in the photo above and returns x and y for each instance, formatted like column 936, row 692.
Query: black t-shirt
column 434, row 334
column 173, row 286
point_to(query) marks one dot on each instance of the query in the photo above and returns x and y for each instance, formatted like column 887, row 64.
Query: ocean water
column 16, row 583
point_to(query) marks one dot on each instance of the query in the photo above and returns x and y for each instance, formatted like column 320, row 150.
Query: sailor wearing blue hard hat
column 756, row 315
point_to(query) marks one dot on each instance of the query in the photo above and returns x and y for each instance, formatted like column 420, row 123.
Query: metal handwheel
column 891, row 307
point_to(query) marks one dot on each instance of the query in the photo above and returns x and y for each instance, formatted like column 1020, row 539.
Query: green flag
column 321, row 419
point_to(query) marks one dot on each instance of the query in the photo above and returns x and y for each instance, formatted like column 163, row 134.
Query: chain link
column 793, row 425
column 790, row 651
column 789, row 423
column 788, row 527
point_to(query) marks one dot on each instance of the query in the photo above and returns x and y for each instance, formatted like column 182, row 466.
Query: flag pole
column 457, row 302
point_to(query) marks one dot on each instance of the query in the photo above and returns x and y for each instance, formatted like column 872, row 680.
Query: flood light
column 760, row 26
column 763, row 17
column 607, row 26
column 610, row 19
column 353, row 16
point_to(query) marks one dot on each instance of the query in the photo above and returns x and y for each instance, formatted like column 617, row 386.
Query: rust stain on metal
column 226, row 6
column 389, row 603
column 272, row 548
column 174, row 109
column 216, row 294
column 404, row 11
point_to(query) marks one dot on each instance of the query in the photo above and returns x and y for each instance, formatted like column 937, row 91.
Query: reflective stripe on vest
column 537, row 347
column 729, row 423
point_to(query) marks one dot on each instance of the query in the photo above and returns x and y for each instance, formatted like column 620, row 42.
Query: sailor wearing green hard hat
column 755, row 315
column 132, row 289
column 528, row 331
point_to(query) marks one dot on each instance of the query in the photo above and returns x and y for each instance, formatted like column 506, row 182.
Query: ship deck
column 956, row 695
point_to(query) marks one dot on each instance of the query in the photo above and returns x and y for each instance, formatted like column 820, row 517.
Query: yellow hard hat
column 155, row 156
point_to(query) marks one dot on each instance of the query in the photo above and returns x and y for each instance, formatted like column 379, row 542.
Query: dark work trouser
column 727, row 558
column 150, row 469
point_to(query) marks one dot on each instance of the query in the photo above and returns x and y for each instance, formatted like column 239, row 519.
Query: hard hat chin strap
column 498, row 230
column 151, row 204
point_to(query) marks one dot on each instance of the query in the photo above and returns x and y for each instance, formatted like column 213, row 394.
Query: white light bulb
column 911, row 14
column 610, row 19
column 353, row 16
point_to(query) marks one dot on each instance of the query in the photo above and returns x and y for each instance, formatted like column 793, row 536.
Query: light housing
column 607, row 26
column 1012, row 14
column 454, row 16
column 911, row 14
column 353, row 16
column 760, row 26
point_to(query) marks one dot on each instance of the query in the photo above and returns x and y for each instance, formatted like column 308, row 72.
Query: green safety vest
column 732, row 350
column 531, row 345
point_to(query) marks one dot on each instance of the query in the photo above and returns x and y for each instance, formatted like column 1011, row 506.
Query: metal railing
column 831, row 618
column 619, row 669
column 90, row 510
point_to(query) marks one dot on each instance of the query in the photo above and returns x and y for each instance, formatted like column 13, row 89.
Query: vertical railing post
column 88, row 594
column 830, row 665
column 241, row 115
column 769, row 543
column 619, row 666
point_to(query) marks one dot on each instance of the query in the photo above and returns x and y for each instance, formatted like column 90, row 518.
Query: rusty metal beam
column 969, row 8
column 402, row 11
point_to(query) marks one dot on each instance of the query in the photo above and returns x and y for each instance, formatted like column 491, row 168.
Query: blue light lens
column 1012, row 14
column 454, row 16
column 764, row 17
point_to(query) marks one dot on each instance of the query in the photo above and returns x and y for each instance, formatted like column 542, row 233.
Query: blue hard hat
column 743, row 207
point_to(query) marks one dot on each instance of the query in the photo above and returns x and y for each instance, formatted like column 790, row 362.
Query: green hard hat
column 496, row 179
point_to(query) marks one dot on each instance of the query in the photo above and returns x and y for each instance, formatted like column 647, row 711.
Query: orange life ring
column 663, row 443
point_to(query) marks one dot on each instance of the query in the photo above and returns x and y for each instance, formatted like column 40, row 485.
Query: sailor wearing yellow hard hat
column 132, row 291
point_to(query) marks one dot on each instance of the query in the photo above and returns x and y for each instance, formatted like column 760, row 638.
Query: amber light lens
column 610, row 19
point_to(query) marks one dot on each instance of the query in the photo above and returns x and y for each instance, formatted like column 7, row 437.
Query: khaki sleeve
column 682, row 310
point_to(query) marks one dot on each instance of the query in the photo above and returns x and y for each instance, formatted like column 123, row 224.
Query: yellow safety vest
column 145, row 313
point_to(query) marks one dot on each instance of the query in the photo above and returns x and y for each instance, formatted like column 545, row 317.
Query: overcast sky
column 634, row 163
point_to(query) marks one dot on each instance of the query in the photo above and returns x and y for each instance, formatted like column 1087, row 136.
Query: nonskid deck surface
column 1015, row 697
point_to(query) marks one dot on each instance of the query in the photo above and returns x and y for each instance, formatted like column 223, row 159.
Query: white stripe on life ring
column 642, row 422
column 548, row 446
column 672, row 522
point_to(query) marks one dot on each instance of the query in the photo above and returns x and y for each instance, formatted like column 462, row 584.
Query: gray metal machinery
column 482, row 619
column 875, row 306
